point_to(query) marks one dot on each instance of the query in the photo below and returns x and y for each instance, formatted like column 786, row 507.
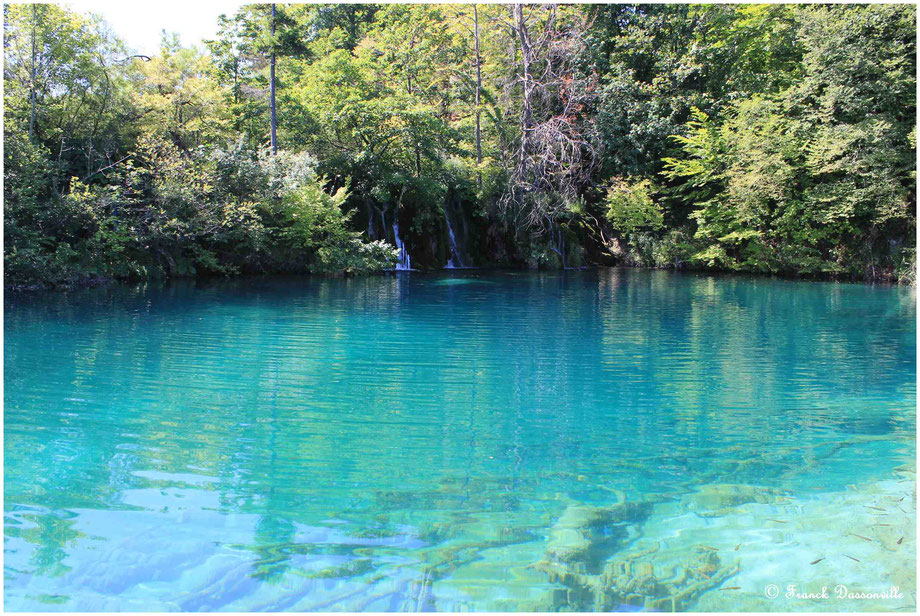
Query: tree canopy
column 761, row 138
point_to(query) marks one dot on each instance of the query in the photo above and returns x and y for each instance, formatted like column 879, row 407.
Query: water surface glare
column 436, row 441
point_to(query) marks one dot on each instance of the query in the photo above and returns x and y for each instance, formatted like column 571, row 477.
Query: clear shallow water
column 417, row 441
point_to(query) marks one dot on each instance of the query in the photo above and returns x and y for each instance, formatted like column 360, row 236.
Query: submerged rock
column 721, row 498
column 583, row 530
column 585, row 555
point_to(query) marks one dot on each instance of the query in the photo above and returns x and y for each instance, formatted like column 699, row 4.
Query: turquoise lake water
column 432, row 441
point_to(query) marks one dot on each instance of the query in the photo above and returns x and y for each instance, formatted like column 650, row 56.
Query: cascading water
column 456, row 258
column 404, row 262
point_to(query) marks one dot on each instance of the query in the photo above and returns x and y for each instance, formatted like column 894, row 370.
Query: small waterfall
column 404, row 262
column 456, row 257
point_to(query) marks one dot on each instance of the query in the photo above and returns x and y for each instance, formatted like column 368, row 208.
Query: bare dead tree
column 555, row 151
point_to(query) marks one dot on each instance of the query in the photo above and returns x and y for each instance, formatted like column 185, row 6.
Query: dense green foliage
column 763, row 138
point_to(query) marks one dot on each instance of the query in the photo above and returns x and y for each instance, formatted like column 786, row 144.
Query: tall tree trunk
column 352, row 27
column 418, row 154
column 274, row 118
column 527, row 102
column 236, row 80
column 32, row 84
column 478, row 89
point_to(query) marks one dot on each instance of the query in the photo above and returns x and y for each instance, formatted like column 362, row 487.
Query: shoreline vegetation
column 347, row 139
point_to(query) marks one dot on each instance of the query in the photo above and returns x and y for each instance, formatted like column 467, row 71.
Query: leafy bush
column 630, row 206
